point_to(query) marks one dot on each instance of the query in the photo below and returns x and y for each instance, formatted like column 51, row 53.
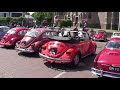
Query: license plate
column 114, row 69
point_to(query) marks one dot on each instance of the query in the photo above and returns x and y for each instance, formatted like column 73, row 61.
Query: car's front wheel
column 76, row 60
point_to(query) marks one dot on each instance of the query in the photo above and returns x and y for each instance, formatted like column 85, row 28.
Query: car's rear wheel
column 76, row 60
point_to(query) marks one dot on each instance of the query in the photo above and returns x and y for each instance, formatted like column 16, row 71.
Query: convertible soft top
column 60, row 38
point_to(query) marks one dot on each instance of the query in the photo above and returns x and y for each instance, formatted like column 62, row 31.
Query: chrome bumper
column 103, row 73
column 54, row 59
column 5, row 44
column 24, row 50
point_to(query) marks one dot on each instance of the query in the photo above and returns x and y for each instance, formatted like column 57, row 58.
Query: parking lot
column 20, row 65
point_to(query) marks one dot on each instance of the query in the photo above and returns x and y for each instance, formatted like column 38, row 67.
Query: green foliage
column 14, row 20
column 62, row 23
column 65, row 23
column 40, row 16
column 69, row 23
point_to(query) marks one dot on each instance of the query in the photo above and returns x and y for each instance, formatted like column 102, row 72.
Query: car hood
column 98, row 35
column 27, row 41
column 111, row 57
column 59, row 47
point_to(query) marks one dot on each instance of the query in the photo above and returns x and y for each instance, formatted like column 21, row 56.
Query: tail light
column 44, row 47
column 68, row 52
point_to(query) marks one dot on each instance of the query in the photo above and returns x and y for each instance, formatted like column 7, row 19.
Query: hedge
column 13, row 20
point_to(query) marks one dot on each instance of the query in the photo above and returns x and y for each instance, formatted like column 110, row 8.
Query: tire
column 76, row 60
column 94, row 51
column 14, row 46
column 39, row 50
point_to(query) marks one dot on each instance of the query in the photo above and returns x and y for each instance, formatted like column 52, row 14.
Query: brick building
column 103, row 20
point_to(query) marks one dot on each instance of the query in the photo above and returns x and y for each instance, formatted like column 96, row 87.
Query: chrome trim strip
column 24, row 50
column 104, row 73
column 56, row 59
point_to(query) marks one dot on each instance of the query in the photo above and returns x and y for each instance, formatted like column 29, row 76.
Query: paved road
column 21, row 65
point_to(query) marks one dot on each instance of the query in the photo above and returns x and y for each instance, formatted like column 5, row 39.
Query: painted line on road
column 57, row 76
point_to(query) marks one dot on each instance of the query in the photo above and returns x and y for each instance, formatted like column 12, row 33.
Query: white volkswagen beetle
column 115, row 35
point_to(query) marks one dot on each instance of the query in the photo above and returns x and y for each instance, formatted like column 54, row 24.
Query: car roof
column 42, row 29
column 4, row 27
column 115, row 39
column 20, row 28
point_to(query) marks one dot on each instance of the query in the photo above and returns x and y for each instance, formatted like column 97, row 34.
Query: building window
column 16, row 14
column 4, row 14
column 89, row 15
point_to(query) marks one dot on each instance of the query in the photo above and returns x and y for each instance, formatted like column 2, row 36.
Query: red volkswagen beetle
column 66, row 50
column 100, row 35
column 33, row 40
column 107, row 62
column 13, row 36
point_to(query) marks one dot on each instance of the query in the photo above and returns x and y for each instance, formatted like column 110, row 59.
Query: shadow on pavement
column 85, row 64
column 30, row 55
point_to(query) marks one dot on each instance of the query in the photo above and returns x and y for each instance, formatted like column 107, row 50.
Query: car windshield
column 32, row 34
column 100, row 32
column 116, row 34
column 115, row 45
column 11, row 31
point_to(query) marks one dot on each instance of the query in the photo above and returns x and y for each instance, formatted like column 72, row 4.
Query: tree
column 21, row 20
column 62, row 23
column 8, row 19
column 69, row 23
column 40, row 16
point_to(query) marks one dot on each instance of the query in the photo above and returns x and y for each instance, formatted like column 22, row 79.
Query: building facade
column 103, row 20
column 12, row 14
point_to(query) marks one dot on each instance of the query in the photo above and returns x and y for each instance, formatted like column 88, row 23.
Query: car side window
column 5, row 29
column 45, row 35
column 86, row 37
column 23, row 32
column 53, row 33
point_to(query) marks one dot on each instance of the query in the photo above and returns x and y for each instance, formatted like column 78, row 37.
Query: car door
column 87, row 42
column 21, row 34
column 82, row 43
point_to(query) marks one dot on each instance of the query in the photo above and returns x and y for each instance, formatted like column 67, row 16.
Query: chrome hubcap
column 76, row 59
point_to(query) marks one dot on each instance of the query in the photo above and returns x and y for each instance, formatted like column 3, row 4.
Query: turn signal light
column 68, row 52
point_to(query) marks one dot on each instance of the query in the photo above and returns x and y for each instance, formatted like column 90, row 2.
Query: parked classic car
column 115, row 34
column 3, row 30
column 100, row 35
column 107, row 62
column 13, row 36
column 68, row 50
column 33, row 40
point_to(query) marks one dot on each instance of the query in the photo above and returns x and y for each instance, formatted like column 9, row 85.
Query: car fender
column 92, row 45
column 38, row 44
column 13, row 40
column 75, row 51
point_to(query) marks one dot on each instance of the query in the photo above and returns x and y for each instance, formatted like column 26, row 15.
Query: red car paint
column 13, row 35
column 100, row 35
column 32, row 44
column 107, row 62
column 67, row 50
